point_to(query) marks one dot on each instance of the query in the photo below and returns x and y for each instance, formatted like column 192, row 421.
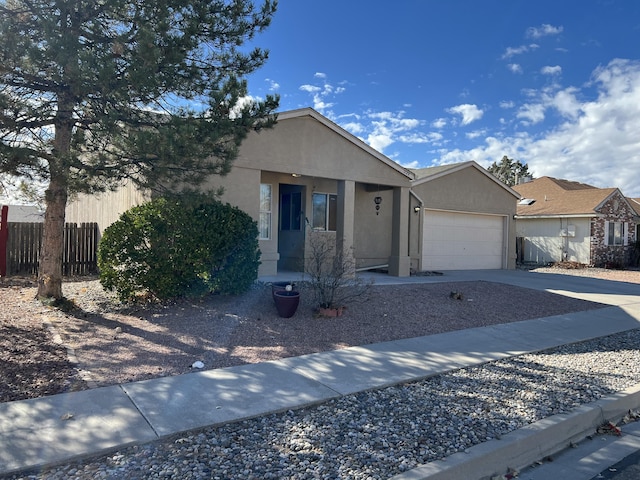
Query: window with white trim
column 264, row 224
column 325, row 211
column 615, row 233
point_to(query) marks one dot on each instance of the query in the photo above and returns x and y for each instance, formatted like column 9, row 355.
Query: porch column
column 345, row 220
column 400, row 261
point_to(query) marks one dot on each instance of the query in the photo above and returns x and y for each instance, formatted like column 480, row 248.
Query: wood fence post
column 4, row 230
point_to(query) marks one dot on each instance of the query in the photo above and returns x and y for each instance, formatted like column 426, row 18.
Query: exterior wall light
column 378, row 201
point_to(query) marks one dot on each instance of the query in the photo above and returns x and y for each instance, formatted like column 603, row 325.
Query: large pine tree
column 509, row 171
column 93, row 92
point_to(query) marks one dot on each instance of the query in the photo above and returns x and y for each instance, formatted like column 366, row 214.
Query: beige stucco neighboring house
column 462, row 219
column 561, row 220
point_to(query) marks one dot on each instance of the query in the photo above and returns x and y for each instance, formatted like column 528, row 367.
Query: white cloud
column 476, row 134
column 439, row 123
column 602, row 142
column 419, row 137
column 469, row 113
column 241, row 103
column 318, row 94
column 532, row 113
column 514, row 68
column 309, row 88
column 355, row 128
column 273, row 85
column 507, row 104
column 414, row 164
column 386, row 128
column 379, row 141
column 549, row 70
column 321, row 94
column 566, row 103
column 319, row 104
column 512, row 51
column 543, row 30
column 597, row 144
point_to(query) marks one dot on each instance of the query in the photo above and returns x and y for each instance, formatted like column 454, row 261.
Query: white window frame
column 266, row 214
column 610, row 237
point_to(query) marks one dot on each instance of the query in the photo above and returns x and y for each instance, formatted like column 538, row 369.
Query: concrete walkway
column 62, row 427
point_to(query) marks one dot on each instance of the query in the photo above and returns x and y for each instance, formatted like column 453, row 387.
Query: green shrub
column 173, row 248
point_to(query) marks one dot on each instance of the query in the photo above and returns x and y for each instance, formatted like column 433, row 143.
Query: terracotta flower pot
column 331, row 312
column 286, row 302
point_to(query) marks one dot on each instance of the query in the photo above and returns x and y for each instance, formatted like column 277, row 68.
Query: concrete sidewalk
column 62, row 427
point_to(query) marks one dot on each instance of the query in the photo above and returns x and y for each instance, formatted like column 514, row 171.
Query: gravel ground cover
column 377, row 434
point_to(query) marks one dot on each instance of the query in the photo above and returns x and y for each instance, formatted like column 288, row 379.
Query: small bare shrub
column 332, row 273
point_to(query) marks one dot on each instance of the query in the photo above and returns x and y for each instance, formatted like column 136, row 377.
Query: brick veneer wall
column 615, row 209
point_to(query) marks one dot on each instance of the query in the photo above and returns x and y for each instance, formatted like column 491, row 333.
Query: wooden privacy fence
column 21, row 248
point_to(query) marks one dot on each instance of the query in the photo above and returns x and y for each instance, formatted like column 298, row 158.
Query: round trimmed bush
column 173, row 248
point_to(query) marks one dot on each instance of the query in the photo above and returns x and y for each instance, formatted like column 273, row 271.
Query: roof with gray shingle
column 431, row 171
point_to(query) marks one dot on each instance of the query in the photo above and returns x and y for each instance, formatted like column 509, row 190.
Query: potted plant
column 287, row 302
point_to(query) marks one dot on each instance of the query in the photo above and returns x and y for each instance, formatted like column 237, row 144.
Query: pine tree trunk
column 50, row 267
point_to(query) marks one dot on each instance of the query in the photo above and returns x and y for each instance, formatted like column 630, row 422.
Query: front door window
column 291, row 211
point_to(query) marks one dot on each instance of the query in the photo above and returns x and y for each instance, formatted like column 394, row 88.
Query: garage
column 462, row 241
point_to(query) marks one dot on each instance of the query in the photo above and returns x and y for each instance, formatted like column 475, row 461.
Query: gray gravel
column 378, row 434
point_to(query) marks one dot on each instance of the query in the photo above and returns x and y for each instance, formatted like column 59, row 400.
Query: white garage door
column 462, row 241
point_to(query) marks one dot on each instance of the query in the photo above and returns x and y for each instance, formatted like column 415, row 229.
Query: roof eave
column 556, row 215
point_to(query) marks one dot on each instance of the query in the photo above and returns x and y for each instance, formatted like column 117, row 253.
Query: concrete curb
column 521, row 448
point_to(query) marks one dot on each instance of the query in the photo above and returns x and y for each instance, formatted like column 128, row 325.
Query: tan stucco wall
column 373, row 233
column 468, row 191
column 305, row 146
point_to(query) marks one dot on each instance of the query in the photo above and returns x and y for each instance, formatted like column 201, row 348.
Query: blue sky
column 554, row 84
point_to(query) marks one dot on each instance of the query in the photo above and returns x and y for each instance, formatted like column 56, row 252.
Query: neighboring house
column 24, row 214
column 467, row 220
column 307, row 172
column 635, row 203
column 560, row 220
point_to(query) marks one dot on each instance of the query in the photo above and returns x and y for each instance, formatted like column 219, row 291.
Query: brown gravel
column 111, row 343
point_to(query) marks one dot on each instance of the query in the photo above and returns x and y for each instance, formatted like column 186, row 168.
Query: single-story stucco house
column 309, row 173
column 561, row 220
